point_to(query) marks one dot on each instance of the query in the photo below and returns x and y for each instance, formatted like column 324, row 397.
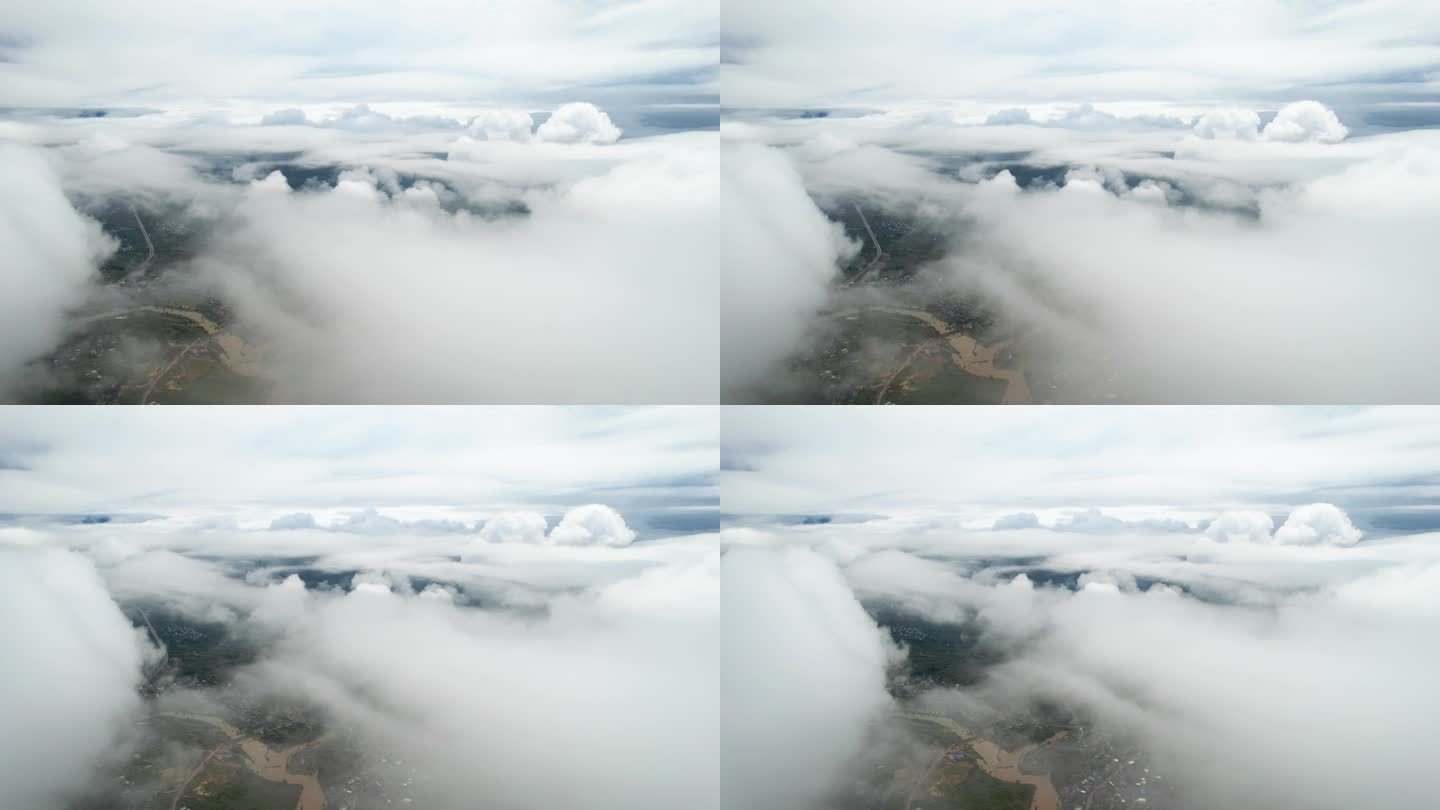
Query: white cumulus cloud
column 1318, row 524
column 579, row 122
column 592, row 524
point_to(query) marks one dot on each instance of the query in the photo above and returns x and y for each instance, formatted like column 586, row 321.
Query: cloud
column 511, row 125
column 1310, row 524
column 1318, row 523
column 426, row 470
column 69, row 687
column 649, row 682
column 608, row 242
column 1241, row 526
column 592, row 524
column 1305, row 121
column 294, row 520
column 1135, row 464
column 1014, row 115
column 1229, row 123
column 290, row 116
column 51, row 251
column 330, row 52
column 1301, row 121
column 791, row 623
column 1018, row 520
column 781, row 253
column 815, row 54
column 578, row 122
column 514, row 527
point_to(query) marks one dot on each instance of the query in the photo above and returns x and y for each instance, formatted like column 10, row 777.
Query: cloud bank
column 51, row 251
column 69, row 688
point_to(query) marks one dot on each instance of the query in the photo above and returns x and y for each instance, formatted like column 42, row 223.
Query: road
column 879, row 254
column 139, row 271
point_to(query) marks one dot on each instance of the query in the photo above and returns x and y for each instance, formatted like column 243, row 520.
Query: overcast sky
column 165, row 53
column 257, row 463
column 1185, row 52
column 978, row 463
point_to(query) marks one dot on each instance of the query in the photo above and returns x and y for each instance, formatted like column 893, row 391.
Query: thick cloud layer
column 370, row 293
column 73, row 662
column 50, row 250
column 460, row 692
column 804, row 674
column 781, row 252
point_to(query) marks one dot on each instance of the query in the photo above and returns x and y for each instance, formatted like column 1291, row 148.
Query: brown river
column 969, row 354
column 1005, row 765
column 271, row 764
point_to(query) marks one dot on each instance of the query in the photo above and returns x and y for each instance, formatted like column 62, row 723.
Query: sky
column 163, row 54
column 429, row 578
column 1198, row 582
column 1185, row 53
column 1164, row 462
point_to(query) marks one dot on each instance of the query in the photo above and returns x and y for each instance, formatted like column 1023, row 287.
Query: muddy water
column 1005, row 765
column 974, row 357
column 271, row 764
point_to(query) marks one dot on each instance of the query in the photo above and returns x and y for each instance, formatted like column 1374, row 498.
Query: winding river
column 1005, row 765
